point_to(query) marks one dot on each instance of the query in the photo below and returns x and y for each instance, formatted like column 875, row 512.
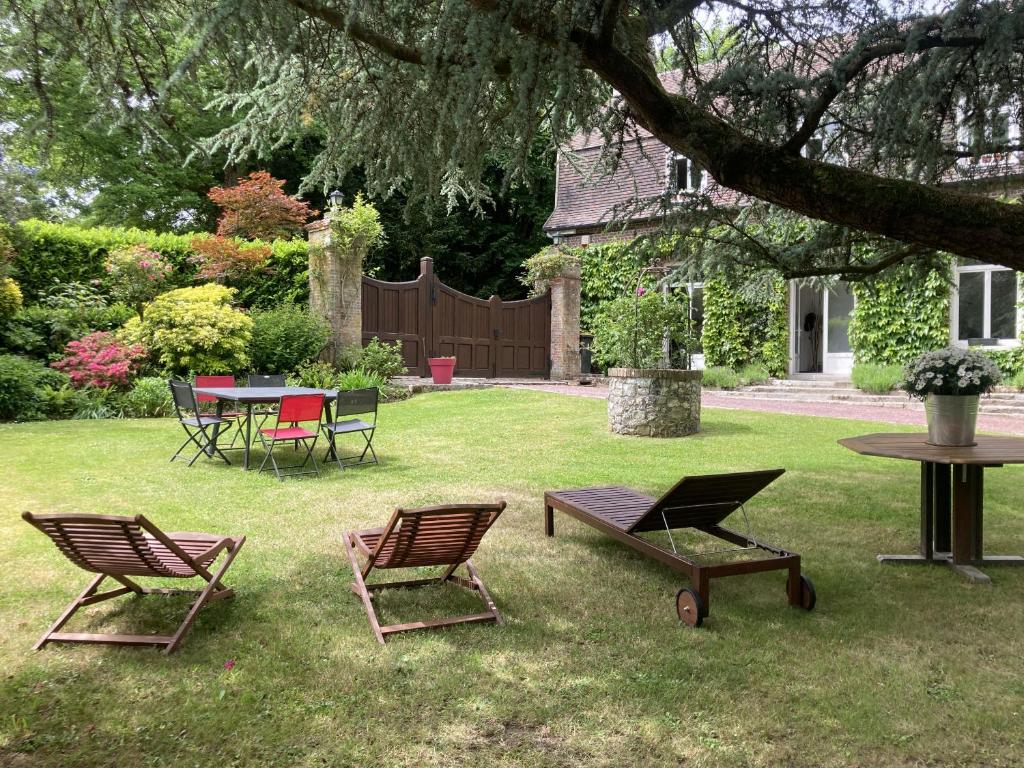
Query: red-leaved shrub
column 257, row 208
column 225, row 260
column 100, row 360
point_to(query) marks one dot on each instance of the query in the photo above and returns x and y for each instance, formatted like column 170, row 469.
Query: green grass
column 897, row 666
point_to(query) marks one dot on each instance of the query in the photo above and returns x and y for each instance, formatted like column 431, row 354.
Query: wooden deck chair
column 699, row 502
column 413, row 538
column 118, row 547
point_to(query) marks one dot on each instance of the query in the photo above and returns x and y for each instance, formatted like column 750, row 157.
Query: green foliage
column 316, row 375
column 359, row 379
column 607, row 272
column 61, row 402
column 1010, row 361
column 149, row 397
column 1016, row 381
column 284, row 278
column 50, row 254
column 102, row 403
column 43, row 331
column 746, row 324
column 720, row 377
column 752, row 374
column 21, row 381
column 899, row 316
column 286, row 337
column 10, row 299
column 631, row 330
column 876, row 378
column 356, row 229
column 382, row 359
column 194, row 330
column 136, row 275
column 547, row 264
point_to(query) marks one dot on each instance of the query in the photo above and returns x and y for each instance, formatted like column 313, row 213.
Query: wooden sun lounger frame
column 692, row 604
column 417, row 555
column 213, row 591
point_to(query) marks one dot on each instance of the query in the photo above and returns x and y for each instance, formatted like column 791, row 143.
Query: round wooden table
column 945, row 469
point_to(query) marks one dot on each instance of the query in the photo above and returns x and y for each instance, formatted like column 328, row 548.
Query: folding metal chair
column 234, row 417
column 196, row 425
column 292, row 411
column 357, row 402
column 265, row 380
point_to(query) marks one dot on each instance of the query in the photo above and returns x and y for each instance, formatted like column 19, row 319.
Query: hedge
column 47, row 253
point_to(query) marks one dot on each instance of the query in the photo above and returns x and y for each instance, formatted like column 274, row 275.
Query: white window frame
column 986, row 305
column 672, row 178
column 1013, row 130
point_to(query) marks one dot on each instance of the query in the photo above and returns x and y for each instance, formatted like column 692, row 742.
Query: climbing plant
column 901, row 315
column 746, row 323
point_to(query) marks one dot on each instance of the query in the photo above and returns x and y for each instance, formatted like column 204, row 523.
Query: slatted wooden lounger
column 700, row 502
column 442, row 536
column 118, row 547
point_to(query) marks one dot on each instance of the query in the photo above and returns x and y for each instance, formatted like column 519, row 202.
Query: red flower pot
column 441, row 369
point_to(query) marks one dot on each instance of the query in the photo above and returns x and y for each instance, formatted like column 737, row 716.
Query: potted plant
column 441, row 369
column 647, row 339
column 950, row 381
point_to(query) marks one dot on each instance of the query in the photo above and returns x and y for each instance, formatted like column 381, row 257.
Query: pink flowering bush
column 137, row 275
column 100, row 360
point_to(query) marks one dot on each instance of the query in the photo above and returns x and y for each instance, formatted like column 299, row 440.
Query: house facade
column 984, row 299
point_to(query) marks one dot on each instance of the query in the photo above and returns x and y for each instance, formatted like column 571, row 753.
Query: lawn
column 896, row 666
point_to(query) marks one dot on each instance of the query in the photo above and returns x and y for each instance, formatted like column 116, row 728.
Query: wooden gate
column 488, row 338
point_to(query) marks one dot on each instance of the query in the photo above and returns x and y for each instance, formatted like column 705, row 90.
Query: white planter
column 654, row 402
column 952, row 419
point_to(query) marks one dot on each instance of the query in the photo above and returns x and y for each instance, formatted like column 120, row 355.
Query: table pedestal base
column 968, row 570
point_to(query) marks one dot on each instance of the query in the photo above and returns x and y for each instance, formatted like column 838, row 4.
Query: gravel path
column 835, row 410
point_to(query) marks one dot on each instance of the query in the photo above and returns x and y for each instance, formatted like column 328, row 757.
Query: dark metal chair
column 265, row 380
column 235, row 418
column 198, row 427
column 292, row 411
column 357, row 402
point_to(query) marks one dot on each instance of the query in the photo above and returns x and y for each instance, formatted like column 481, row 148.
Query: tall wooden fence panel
column 491, row 338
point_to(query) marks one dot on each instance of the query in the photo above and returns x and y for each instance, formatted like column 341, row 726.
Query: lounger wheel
column 690, row 607
column 808, row 597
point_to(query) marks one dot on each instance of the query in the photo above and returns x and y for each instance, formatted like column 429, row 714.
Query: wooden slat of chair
column 432, row 536
column 117, row 547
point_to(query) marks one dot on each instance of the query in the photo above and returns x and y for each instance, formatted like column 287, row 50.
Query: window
column 986, row 302
column 988, row 128
column 686, row 176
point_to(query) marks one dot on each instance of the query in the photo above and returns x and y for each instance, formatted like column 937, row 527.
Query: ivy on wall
column 899, row 316
column 746, row 324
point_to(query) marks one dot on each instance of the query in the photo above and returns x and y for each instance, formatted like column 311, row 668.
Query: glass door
column 839, row 302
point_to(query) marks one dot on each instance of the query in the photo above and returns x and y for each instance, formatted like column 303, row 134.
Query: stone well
column 654, row 402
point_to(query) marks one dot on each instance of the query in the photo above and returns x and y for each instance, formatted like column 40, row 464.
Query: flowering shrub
column 225, row 260
column 194, row 329
column 137, row 275
column 100, row 360
column 10, row 299
column 257, row 208
column 951, row 371
column 631, row 331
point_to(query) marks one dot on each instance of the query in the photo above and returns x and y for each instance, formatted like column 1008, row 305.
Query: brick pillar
column 335, row 289
column 565, row 324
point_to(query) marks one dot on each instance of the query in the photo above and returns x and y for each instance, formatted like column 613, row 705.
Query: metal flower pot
column 952, row 419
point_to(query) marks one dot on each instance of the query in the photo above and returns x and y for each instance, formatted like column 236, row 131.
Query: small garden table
column 249, row 396
column 944, row 468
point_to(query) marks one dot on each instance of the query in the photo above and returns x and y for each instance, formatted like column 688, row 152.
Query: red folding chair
column 292, row 411
column 235, row 417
